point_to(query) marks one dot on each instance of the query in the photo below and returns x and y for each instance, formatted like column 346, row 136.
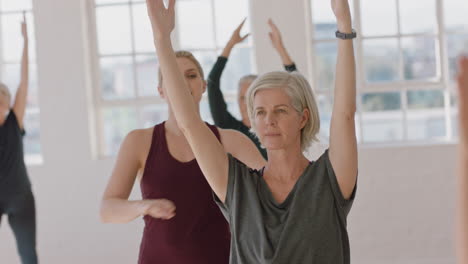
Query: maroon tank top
column 198, row 233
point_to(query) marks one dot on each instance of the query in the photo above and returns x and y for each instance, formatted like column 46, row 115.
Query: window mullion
column 444, row 68
column 360, row 77
column 133, row 54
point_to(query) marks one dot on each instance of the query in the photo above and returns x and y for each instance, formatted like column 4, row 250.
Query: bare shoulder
column 138, row 142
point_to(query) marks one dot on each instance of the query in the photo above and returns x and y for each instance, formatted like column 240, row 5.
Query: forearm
column 345, row 83
column 227, row 49
column 217, row 103
column 25, row 65
column 176, row 88
column 121, row 211
column 283, row 53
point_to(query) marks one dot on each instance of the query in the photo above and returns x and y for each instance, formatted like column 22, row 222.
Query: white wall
column 403, row 210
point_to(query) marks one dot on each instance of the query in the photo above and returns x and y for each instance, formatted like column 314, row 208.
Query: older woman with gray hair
column 293, row 210
column 218, row 107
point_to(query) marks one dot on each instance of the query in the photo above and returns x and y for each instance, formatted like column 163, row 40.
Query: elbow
column 103, row 213
column 103, row 218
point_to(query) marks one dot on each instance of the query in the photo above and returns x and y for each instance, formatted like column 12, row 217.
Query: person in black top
column 16, row 198
column 218, row 106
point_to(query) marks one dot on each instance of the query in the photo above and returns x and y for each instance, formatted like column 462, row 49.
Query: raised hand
column 342, row 13
column 275, row 36
column 236, row 36
column 160, row 208
column 235, row 39
column 162, row 18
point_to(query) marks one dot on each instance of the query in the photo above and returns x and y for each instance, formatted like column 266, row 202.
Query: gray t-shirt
column 308, row 227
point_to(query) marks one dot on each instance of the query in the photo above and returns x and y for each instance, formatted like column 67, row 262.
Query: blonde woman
column 182, row 222
column 293, row 210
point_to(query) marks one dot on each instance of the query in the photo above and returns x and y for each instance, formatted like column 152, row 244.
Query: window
column 11, row 48
column 406, row 63
column 125, row 89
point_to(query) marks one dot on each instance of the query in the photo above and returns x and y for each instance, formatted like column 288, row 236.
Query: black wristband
column 341, row 35
column 290, row 67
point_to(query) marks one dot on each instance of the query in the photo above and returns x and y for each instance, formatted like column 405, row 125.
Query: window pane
column 12, row 39
column 375, row 102
column 113, row 29
column 117, row 80
column 324, row 20
column 239, row 65
column 15, row 5
column 425, row 99
column 147, row 75
column 325, row 64
column 426, row 115
column 142, row 29
column 454, row 117
column 382, row 118
column 378, row 17
column 382, row 126
column 456, row 46
column 32, row 143
column 205, row 111
column 33, row 92
column 419, row 57
column 413, row 19
column 152, row 115
column 233, row 108
column 194, row 21
column 455, row 14
column 117, row 122
column 11, row 78
column 228, row 15
column 426, row 124
column 325, row 105
column 381, row 60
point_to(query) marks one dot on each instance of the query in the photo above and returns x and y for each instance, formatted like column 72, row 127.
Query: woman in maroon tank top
column 182, row 222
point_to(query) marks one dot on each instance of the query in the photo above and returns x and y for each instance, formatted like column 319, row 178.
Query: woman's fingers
column 244, row 37
column 239, row 28
column 162, row 208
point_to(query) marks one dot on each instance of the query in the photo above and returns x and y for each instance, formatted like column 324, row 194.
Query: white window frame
column 402, row 87
column 137, row 102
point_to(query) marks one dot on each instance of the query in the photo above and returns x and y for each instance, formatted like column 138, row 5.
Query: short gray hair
column 247, row 78
column 301, row 95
